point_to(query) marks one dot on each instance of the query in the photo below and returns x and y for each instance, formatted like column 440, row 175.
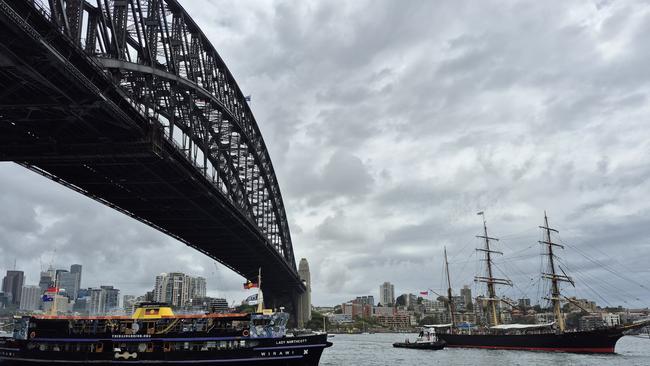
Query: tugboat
column 155, row 336
column 554, row 336
column 427, row 339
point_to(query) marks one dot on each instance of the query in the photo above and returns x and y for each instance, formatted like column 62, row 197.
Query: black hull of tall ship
column 596, row 341
column 288, row 351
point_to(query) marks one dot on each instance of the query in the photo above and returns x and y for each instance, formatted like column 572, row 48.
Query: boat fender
column 32, row 335
column 245, row 333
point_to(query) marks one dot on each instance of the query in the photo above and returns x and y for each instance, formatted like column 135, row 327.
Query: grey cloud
column 390, row 124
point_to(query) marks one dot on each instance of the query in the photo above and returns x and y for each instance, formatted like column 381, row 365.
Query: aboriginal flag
column 250, row 284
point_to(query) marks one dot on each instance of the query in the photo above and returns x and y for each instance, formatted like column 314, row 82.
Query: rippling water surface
column 377, row 349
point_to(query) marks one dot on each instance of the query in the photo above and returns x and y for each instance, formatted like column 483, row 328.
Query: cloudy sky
column 390, row 124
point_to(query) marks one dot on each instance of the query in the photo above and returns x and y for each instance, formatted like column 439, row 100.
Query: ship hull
column 597, row 341
column 288, row 351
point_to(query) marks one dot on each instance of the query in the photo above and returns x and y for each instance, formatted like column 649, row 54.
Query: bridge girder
column 168, row 71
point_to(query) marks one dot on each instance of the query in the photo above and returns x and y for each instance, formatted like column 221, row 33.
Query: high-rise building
column 466, row 294
column 97, row 303
column 46, row 281
column 198, row 287
column 178, row 289
column 305, row 276
column 12, row 285
column 128, row 304
column 218, row 305
column 387, row 294
column 365, row 300
column 4, row 300
column 69, row 281
column 81, row 304
column 30, row 298
column 76, row 268
column 112, row 297
column 103, row 300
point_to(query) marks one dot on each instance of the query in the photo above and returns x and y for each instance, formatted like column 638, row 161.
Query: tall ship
column 553, row 336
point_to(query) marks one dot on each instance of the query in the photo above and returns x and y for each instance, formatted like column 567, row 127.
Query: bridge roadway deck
column 61, row 115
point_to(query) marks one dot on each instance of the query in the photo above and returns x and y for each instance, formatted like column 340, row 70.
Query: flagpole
column 53, row 309
column 260, row 296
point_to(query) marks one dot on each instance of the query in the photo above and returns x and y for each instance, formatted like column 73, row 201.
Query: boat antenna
column 490, row 280
column 556, row 296
column 452, row 312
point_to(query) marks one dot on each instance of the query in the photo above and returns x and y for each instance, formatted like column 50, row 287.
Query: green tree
column 429, row 319
column 316, row 322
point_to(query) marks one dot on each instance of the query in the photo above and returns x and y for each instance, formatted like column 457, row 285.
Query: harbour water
column 377, row 350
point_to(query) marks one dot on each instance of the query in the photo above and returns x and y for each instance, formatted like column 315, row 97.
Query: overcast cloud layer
column 390, row 124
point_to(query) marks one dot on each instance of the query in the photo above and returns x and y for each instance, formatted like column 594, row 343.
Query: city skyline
column 388, row 159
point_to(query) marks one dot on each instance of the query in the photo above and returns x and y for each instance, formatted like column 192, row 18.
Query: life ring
column 32, row 335
column 245, row 333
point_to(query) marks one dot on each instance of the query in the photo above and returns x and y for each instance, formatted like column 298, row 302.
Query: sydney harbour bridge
column 128, row 103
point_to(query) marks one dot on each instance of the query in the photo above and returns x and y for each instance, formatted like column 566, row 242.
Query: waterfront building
column 357, row 311
column 387, row 294
column 365, row 300
column 97, row 303
column 433, row 306
column 172, row 288
column 305, row 299
column 198, row 287
column 81, row 305
column 103, row 300
column 30, row 298
column 576, row 304
column 592, row 321
column 128, row 304
column 62, row 303
column 46, row 281
column 395, row 321
column 523, row 303
column 466, row 294
column 324, row 309
column 112, row 297
column 219, row 305
column 406, row 300
column 611, row 319
column 209, row 305
column 69, row 282
column 340, row 318
column 178, row 289
column 4, row 300
column 76, row 269
column 12, row 286
column 383, row 311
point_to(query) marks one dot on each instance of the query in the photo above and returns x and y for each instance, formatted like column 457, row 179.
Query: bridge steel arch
column 150, row 69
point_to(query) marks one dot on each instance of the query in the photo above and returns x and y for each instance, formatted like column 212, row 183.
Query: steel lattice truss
column 172, row 73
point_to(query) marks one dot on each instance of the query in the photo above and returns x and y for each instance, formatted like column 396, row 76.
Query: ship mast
column 452, row 312
column 490, row 280
column 556, row 296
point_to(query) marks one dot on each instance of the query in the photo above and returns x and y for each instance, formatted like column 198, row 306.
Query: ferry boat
column 155, row 336
column 552, row 336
